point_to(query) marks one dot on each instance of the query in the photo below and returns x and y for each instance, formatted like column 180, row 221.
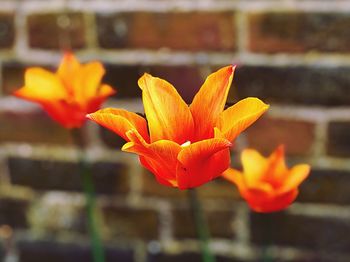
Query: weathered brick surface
column 124, row 222
column 186, row 79
column 220, row 223
column 31, row 127
column 13, row 212
column 12, row 77
column 267, row 133
column 187, row 257
column 190, row 31
column 293, row 85
column 322, row 234
column 296, row 32
column 46, row 250
column 108, row 178
column 48, row 31
column 338, row 140
column 7, row 30
column 111, row 139
column 326, row 186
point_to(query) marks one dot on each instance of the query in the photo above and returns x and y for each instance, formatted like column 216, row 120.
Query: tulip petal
column 210, row 101
column 86, row 81
column 295, row 177
column 240, row 116
column 41, row 85
column 264, row 202
column 94, row 103
column 236, row 177
column 67, row 68
column 159, row 157
column 167, row 114
column 120, row 121
column 202, row 161
column 254, row 167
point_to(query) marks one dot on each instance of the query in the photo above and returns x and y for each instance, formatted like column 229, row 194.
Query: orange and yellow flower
column 183, row 146
column 266, row 183
column 69, row 94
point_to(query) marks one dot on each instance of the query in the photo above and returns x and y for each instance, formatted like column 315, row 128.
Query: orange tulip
column 266, row 183
column 183, row 146
column 70, row 93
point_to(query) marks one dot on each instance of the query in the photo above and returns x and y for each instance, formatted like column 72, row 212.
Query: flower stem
column 89, row 191
column 201, row 226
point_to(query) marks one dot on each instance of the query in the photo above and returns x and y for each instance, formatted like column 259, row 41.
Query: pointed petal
column 95, row 102
column 41, row 85
column 254, row 166
column 236, row 177
column 202, row 161
column 168, row 115
column 86, row 81
column 240, row 116
column 120, row 121
column 210, row 101
column 159, row 157
column 68, row 66
column 295, row 177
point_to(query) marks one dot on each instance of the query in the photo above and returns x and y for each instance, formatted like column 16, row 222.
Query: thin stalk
column 89, row 191
column 201, row 226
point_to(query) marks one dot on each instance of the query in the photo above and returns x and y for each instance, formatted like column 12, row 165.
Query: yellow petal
column 295, row 177
column 68, row 66
column 210, row 101
column 202, row 161
column 41, row 85
column 236, row 177
column 240, row 116
column 167, row 114
column 120, row 121
column 254, row 167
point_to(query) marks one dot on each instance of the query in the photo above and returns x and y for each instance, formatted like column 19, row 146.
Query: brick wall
column 294, row 54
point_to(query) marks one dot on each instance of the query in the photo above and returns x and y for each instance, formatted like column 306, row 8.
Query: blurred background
column 293, row 54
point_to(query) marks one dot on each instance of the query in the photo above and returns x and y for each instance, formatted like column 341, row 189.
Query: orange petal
column 295, row 177
column 236, row 177
column 86, row 81
column 254, row 167
column 68, row 66
column 69, row 115
column 240, row 116
column 120, row 121
column 167, row 114
column 159, row 157
column 263, row 202
column 210, row 101
column 95, row 102
column 41, row 85
column 202, row 161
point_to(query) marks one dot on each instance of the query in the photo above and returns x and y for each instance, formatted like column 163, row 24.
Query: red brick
column 320, row 234
column 219, row 223
column 304, row 85
column 109, row 178
column 299, row 32
column 46, row 33
column 124, row 222
column 7, row 30
column 31, row 127
column 54, row 251
column 267, row 133
column 327, row 186
column 338, row 140
column 13, row 212
column 178, row 30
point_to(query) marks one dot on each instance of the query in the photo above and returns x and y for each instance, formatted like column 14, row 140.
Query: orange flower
column 183, row 146
column 266, row 183
column 70, row 93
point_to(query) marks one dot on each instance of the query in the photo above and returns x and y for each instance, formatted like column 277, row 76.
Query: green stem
column 89, row 191
column 201, row 226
